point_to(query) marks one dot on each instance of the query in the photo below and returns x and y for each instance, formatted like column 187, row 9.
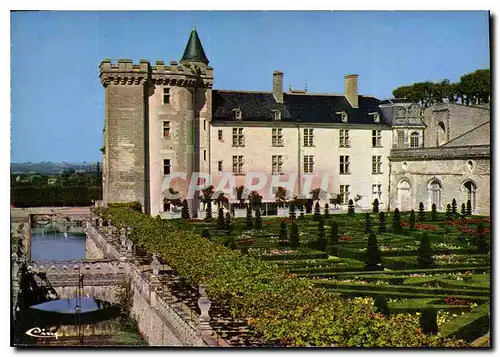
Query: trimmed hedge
column 285, row 310
column 468, row 326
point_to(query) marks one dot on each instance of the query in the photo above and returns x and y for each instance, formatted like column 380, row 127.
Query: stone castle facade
column 161, row 119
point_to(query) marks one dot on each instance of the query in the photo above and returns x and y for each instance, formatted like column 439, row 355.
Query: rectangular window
column 277, row 137
column 219, row 165
column 376, row 164
column 308, row 164
column 377, row 192
column 204, row 125
column 166, row 129
column 205, row 155
column 277, row 164
column 238, row 164
column 166, row 167
column 344, row 194
column 238, row 138
column 344, row 165
column 219, row 135
column 166, row 95
column 401, row 138
column 166, row 207
column 377, row 138
column 344, row 137
column 308, row 137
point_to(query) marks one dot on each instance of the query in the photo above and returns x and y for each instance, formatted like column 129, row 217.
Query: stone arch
column 469, row 192
column 441, row 133
column 404, row 195
column 435, row 193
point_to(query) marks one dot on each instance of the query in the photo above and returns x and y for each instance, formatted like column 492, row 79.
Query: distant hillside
column 50, row 167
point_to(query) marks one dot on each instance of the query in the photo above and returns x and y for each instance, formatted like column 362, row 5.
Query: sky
column 57, row 101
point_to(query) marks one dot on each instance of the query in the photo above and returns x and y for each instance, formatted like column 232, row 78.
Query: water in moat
column 57, row 242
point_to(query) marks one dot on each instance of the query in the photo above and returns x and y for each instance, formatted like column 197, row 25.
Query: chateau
column 163, row 119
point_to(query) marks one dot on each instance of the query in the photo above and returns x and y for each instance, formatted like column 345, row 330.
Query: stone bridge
column 101, row 278
column 163, row 318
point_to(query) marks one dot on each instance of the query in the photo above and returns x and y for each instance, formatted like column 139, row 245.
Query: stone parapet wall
column 162, row 323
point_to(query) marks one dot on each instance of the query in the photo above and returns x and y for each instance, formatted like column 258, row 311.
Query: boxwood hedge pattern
column 285, row 309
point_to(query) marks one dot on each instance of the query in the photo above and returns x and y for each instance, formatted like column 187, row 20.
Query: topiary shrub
column 433, row 212
column 321, row 241
column 327, row 211
column 421, row 212
column 424, row 257
column 375, row 206
column 454, row 207
column 317, row 211
column 449, row 214
column 382, row 228
column 412, row 219
column 301, row 207
column 283, row 235
column 428, row 321
column 249, row 221
column 208, row 211
column 228, row 223
column 373, row 256
column 463, row 211
column 291, row 211
column 232, row 243
column 368, row 223
column 221, row 222
column 380, row 305
column 334, row 234
column 205, row 233
column 350, row 208
column 294, row 235
column 185, row 210
column 396, row 222
column 480, row 240
column 258, row 219
column 469, row 208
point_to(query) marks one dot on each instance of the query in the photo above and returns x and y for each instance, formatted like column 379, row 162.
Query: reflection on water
column 57, row 242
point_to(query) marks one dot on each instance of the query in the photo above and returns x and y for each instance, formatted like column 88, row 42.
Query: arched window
column 404, row 195
column 414, row 140
column 441, row 133
column 470, row 193
column 435, row 193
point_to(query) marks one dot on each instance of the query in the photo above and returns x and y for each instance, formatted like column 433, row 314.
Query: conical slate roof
column 194, row 50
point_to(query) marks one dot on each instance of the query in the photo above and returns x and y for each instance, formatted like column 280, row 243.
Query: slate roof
column 303, row 108
column 194, row 50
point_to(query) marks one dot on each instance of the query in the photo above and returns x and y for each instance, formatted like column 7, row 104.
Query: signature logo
column 50, row 332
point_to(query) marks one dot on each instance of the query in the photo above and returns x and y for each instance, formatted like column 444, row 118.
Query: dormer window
column 376, row 117
column 342, row 116
column 237, row 114
column 276, row 115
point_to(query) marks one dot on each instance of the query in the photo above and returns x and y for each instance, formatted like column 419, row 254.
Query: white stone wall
column 452, row 174
column 258, row 152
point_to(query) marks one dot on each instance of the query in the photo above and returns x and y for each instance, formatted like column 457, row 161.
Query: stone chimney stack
column 351, row 89
column 278, row 86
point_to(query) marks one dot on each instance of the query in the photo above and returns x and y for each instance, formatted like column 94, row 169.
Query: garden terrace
column 279, row 306
column 458, row 270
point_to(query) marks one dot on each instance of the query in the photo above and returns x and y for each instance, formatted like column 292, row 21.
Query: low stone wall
column 161, row 323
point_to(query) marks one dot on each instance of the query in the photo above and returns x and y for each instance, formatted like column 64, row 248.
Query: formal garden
column 370, row 279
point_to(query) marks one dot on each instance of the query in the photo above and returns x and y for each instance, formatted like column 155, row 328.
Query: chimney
column 351, row 89
column 278, row 86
